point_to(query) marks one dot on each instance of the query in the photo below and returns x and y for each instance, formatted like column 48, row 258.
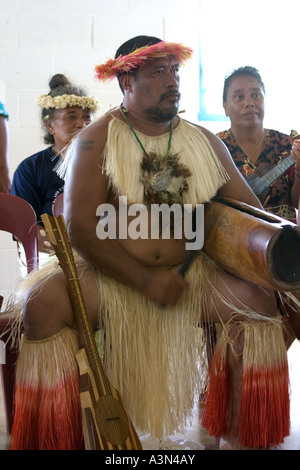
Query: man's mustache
column 171, row 92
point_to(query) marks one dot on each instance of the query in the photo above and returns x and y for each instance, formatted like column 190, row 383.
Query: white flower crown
column 64, row 101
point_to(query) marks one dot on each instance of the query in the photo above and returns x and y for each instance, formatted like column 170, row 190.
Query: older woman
column 65, row 111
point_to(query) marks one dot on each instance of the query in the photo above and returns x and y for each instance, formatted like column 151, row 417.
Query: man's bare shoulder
column 99, row 126
column 205, row 131
column 216, row 143
column 93, row 137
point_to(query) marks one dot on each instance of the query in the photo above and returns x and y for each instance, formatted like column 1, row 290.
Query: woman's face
column 66, row 123
column 245, row 102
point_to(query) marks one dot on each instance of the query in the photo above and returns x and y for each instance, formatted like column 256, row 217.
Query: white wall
column 39, row 38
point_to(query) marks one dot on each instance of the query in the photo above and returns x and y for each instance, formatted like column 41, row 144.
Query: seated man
column 149, row 313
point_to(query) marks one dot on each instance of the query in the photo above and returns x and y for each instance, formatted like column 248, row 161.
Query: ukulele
column 265, row 175
column 106, row 424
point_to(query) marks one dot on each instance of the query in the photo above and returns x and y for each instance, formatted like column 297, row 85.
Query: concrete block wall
column 39, row 38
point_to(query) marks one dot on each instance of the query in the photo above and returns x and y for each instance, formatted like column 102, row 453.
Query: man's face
column 156, row 88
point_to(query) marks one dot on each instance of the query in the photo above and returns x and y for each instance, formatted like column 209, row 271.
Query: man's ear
column 126, row 81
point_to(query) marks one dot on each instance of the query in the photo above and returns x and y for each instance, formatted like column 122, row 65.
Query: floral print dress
column 276, row 147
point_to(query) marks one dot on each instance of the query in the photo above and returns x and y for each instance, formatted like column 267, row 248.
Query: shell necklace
column 163, row 177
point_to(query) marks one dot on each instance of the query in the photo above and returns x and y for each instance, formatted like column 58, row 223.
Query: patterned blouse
column 276, row 147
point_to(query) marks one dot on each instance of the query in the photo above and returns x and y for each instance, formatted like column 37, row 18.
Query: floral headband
column 113, row 67
column 64, row 101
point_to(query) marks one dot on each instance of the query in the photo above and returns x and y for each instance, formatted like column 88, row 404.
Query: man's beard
column 163, row 113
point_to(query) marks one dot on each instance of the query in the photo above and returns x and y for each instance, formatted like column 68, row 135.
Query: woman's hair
column 241, row 71
column 59, row 85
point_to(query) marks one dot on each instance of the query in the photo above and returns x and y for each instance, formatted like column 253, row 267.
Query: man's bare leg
column 47, row 403
column 258, row 300
column 48, row 309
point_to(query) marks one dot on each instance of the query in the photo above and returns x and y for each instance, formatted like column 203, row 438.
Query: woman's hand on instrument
column 295, row 152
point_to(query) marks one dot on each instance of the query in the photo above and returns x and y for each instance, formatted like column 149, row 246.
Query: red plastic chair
column 18, row 218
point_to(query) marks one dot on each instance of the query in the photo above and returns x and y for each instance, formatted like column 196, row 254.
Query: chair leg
column 8, row 385
column 8, row 374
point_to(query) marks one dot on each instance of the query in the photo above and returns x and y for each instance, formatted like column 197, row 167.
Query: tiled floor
column 198, row 435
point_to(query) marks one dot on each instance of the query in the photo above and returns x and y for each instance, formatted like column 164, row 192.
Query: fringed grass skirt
column 155, row 357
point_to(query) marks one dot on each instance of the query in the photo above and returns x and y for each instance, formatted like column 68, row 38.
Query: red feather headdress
column 125, row 63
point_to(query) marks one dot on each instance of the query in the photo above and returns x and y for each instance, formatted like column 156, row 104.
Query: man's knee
column 47, row 309
column 263, row 300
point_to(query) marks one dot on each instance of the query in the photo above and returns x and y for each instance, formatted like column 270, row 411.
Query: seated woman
column 65, row 111
column 256, row 150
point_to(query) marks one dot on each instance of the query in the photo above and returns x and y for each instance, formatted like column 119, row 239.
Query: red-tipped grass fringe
column 215, row 407
column 47, row 409
column 265, row 407
column 48, row 419
column 264, row 419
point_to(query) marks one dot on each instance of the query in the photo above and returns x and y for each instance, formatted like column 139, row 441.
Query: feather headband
column 113, row 67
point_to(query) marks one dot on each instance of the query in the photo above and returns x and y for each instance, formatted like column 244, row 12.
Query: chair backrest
column 18, row 218
column 58, row 206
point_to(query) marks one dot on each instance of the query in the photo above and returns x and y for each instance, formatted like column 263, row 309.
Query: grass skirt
column 264, row 418
column 156, row 358
column 148, row 350
column 47, row 405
